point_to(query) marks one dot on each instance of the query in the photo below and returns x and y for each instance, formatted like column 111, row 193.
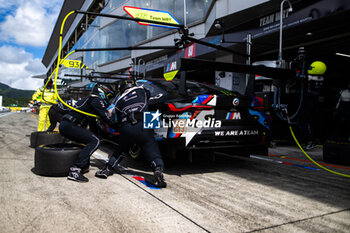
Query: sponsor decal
column 233, row 116
column 190, row 51
column 261, row 117
column 246, row 132
column 158, row 96
column 203, row 99
column 171, row 66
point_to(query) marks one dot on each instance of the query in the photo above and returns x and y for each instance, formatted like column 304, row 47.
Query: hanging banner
column 149, row 14
column 303, row 12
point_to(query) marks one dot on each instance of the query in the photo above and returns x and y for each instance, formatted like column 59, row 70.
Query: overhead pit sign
column 75, row 64
column 149, row 14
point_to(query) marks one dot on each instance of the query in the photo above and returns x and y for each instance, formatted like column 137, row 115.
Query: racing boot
column 159, row 177
column 85, row 169
column 309, row 146
column 104, row 172
column 121, row 170
column 76, row 175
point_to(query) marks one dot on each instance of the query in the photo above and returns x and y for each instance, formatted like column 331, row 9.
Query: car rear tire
column 55, row 159
column 336, row 152
column 44, row 137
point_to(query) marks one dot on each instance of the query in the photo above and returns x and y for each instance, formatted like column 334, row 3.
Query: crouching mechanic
column 130, row 105
column 73, row 126
column 56, row 114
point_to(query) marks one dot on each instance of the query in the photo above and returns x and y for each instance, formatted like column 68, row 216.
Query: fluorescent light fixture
column 342, row 54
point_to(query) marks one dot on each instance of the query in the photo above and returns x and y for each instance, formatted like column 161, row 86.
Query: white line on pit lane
column 5, row 114
column 100, row 156
column 266, row 159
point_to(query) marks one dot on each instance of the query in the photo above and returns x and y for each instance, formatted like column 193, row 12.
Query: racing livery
column 207, row 117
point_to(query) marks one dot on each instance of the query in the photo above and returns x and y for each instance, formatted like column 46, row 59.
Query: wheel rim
column 134, row 151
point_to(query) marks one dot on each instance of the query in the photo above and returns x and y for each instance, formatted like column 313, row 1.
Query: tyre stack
column 53, row 156
column 337, row 152
column 55, row 159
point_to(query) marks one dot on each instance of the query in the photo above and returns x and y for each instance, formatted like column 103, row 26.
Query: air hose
column 302, row 150
column 48, row 80
column 58, row 65
column 277, row 99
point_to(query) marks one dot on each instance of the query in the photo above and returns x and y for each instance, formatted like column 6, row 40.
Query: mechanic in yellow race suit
column 47, row 97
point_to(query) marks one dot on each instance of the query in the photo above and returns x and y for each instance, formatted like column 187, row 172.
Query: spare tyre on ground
column 55, row 159
column 337, row 152
column 44, row 137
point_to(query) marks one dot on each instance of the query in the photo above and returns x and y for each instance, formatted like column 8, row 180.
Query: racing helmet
column 126, row 84
column 317, row 68
column 49, row 84
column 104, row 91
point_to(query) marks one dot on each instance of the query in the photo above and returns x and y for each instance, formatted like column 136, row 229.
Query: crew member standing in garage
column 73, row 126
column 342, row 111
column 47, row 97
column 311, row 103
column 130, row 105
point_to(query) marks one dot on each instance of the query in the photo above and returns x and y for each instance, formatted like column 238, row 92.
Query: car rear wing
column 189, row 64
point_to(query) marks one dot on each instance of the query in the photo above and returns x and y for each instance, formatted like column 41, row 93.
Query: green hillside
column 15, row 96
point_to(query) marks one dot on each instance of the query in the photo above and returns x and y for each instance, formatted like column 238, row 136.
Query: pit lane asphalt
column 228, row 195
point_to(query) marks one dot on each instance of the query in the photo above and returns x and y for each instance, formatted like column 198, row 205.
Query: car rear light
column 261, row 108
column 262, row 139
column 190, row 106
column 258, row 104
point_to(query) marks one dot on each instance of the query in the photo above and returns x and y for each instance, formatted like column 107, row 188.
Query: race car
column 207, row 117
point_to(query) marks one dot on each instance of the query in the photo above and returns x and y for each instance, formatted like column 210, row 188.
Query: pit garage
column 314, row 30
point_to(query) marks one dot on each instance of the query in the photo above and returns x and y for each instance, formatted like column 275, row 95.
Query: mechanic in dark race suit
column 130, row 105
column 73, row 126
column 342, row 113
column 56, row 114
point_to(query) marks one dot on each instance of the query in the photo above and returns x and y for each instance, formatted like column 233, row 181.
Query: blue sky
column 25, row 28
